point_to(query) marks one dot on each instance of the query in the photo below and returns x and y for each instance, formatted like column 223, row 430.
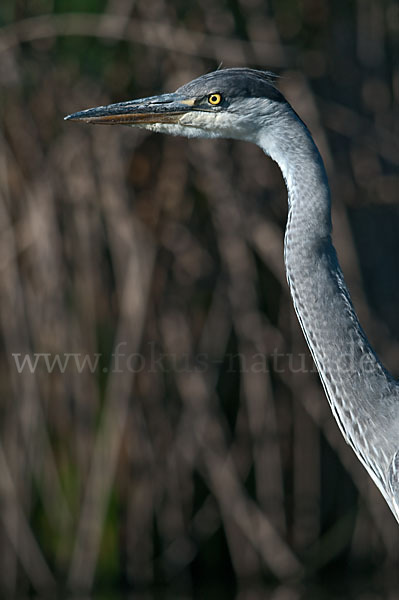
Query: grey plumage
column 234, row 83
column 245, row 104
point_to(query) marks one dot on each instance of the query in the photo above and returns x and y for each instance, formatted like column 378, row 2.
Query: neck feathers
column 348, row 367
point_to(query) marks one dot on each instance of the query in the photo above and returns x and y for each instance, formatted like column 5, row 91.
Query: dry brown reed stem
column 251, row 328
column 243, row 520
column 32, row 458
column 86, row 264
column 157, row 34
column 132, row 255
column 22, row 539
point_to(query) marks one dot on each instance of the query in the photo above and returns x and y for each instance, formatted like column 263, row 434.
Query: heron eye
column 214, row 99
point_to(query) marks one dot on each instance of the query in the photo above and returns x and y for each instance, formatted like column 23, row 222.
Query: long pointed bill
column 166, row 108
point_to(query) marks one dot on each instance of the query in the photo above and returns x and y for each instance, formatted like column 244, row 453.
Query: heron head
column 230, row 103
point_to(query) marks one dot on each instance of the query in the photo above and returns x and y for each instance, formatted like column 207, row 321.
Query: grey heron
column 244, row 104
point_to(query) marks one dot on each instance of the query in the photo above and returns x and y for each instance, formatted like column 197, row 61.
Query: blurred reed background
column 186, row 441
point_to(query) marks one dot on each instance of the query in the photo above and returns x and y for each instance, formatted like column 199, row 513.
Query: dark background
column 203, row 461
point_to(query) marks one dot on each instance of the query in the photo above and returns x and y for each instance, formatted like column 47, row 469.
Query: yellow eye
column 214, row 99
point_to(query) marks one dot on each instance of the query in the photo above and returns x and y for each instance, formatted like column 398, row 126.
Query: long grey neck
column 348, row 367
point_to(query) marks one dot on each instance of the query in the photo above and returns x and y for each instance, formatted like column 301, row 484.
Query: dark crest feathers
column 234, row 83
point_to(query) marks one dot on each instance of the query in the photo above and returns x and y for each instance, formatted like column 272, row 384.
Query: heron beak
column 166, row 108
